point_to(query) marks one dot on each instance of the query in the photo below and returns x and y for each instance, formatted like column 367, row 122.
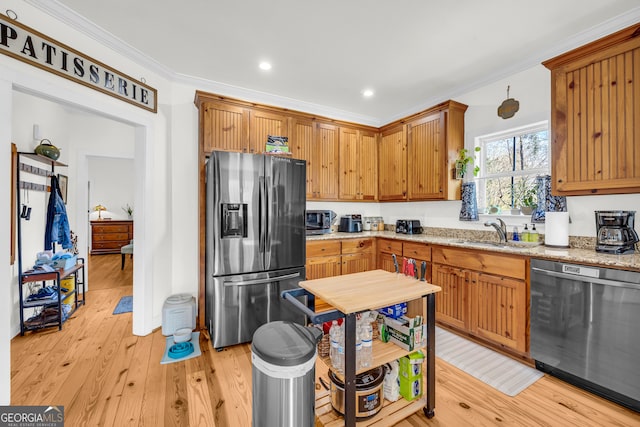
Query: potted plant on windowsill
column 464, row 161
column 527, row 203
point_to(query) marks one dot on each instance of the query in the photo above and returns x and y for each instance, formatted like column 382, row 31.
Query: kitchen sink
column 483, row 243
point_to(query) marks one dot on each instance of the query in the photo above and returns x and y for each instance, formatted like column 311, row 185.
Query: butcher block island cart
column 371, row 290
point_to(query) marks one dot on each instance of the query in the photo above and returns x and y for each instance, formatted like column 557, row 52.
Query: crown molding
column 76, row 21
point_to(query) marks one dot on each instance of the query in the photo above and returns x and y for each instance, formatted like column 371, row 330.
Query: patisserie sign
column 28, row 45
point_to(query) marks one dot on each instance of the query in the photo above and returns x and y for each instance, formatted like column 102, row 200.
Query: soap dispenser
column 533, row 235
column 524, row 236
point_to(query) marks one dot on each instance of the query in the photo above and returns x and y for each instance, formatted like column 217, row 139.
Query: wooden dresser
column 108, row 236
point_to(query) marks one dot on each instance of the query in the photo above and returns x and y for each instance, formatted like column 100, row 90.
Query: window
column 509, row 164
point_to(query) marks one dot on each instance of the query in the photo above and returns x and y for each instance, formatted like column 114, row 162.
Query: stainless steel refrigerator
column 255, row 243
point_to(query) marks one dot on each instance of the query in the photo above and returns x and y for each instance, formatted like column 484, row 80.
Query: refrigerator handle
column 262, row 281
column 268, row 203
column 262, row 220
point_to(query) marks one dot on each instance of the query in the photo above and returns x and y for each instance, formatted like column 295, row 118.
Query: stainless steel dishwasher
column 585, row 328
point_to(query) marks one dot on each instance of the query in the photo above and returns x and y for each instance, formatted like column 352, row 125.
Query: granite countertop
column 461, row 239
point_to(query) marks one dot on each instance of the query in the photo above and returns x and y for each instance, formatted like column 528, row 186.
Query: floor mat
column 195, row 340
column 125, row 305
column 500, row 372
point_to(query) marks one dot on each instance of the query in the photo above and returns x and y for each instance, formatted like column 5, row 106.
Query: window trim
column 482, row 177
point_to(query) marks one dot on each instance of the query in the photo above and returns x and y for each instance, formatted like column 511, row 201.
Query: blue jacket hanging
column 57, row 229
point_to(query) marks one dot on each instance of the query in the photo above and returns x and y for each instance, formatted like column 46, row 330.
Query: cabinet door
column 426, row 161
column 327, row 152
column 385, row 262
column 319, row 267
column 499, row 310
column 392, row 161
column 349, row 153
column 357, row 263
column 302, row 146
column 368, row 166
column 224, row 127
column 595, row 128
column 263, row 124
column 452, row 303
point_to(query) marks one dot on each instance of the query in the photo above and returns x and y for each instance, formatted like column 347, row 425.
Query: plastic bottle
column 524, row 236
column 358, row 347
column 516, row 236
column 334, row 333
column 366, row 357
column 533, row 235
column 340, row 364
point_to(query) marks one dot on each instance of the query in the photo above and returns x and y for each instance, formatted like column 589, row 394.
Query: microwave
column 319, row 221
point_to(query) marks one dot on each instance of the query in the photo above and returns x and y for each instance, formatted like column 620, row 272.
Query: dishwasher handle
column 604, row 282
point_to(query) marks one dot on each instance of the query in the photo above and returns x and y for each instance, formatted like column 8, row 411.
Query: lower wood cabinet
column 387, row 248
column 491, row 304
column 327, row 258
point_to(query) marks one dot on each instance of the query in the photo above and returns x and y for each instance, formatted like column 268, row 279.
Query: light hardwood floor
column 104, row 375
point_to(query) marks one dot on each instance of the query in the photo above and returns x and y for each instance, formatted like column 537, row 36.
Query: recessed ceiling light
column 367, row 93
column 265, row 66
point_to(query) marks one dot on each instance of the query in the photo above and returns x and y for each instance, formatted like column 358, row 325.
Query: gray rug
column 500, row 372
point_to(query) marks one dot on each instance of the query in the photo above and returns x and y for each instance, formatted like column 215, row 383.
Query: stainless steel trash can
column 283, row 355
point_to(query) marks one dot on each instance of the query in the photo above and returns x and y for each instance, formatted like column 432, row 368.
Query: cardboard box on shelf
column 406, row 332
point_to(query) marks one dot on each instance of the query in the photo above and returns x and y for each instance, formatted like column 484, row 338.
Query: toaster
column 408, row 226
column 350, row 224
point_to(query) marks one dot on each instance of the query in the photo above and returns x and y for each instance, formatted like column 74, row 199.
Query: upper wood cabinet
column 426, row 157
column 392, row 164
column 262, row 124
column 325, row 181
column 417, row 155
column 595, row 118
column 224, row 127
column 302, row 146
column 358, row 176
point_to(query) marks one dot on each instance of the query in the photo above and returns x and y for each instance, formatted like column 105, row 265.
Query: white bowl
column 182, row 335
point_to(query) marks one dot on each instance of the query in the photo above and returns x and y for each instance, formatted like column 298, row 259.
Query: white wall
column 532, row 89
column 110, row 181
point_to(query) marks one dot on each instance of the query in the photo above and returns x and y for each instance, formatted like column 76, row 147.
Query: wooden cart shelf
column 370, row 290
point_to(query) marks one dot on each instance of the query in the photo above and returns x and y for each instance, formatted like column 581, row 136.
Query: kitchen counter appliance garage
column 255, row 242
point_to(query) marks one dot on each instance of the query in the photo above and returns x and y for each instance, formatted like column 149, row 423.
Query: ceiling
column 412, row 53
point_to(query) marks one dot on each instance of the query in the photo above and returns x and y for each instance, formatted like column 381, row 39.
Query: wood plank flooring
column 105, row 376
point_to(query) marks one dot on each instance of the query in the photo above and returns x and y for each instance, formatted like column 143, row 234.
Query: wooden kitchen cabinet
column 358, row 255
column 595, row 119
column 392, row 164
column 262, row 124
column 497, row 304
column 317, row 143
column 108, row 236
column 452, row 304
column 323, row 259
column 385, row 249
column 420, row 252
column 433, row 144
column 224, row 127
column 358, row 158
column 417, row 155
column 483, row 294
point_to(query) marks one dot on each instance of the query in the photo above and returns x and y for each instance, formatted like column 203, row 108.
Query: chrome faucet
column 501, row 229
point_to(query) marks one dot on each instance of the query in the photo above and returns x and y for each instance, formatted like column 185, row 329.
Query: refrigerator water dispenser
column 234, row 220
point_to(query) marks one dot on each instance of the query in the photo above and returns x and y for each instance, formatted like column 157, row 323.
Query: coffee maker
column 615, row 232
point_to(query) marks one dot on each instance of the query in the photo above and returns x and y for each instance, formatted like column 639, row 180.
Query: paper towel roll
column 556, row 229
